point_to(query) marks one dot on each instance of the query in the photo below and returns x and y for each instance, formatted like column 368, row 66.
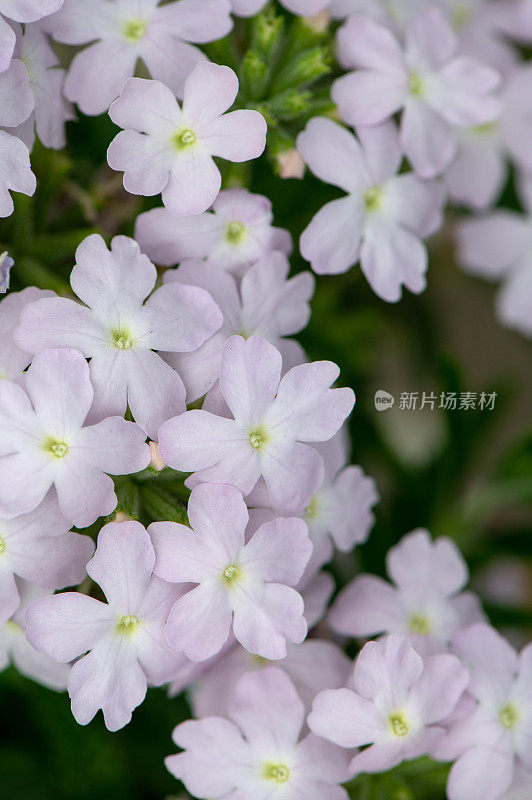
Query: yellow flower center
column 56, row 448
column 184, row 139
column 278, row 773
column 311, row 511
column 2, row 546
column 234, row 232
column 398, row 723
column 231, row 574
column 121, row 339
column 420, row 624
column 257, row 438
column 127, row 624
column 415, row 84
column 135, row 29
column 373, row 198
column 508, row 716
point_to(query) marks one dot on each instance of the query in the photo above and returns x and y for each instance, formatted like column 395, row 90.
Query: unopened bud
column 121, row 516
column 319, row 22
column 290, row 163
column 156, row 462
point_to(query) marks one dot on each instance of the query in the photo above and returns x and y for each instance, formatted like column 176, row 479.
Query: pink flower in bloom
column 38, row 547
column 122, row 32
column 43, row 442
column 499, row 245
column 15, row 648
column 398, row 705
column 119, row 333
column 424, row 603
column 312, row 666
column 494, row 740
column 13, row 360
column 257, row 752
column 266, row 303
column 51, row 110
column 383, row 218
column 478, row 174
column 236, row 232
column 16, row 104
column 272, row 420
column 339, row 511
column 243, row 586
column 20, row 11
column 437, row 89
column 120, row 644
column 168, row 149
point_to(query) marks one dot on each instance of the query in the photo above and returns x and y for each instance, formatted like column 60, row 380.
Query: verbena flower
column 398, row 706
column 383, row 218
column 246, row 587
column 235, row 232
column 119, row 332
column 257, row 752
column 20, row 11
column 169, row 149
column 13, row 360
column 119, row 645
column 425, row 601
column 16, row 104
column 436, row 89
column 120, row 33
column 44, row 443
column 273, row 419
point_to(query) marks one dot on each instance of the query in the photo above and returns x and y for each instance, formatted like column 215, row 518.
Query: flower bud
column 290, row 164
column 156, row 462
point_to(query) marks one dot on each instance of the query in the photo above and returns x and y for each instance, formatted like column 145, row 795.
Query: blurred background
column 466, row 474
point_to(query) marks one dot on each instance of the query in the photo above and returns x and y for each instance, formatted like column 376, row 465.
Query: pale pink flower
column 493, row 741
column 243, row 587
column 15, row 648
column 169, row 149
column 273, row 419
column 437, row 90
column 499, row 246
column 119, row 33
column 515, row 19
column 39, row 548
column 398, row 707
column 233, row 234
column 16, row 104
column 13, row 360
column 265, row 303
column 119, row 645
column 20, row 11
column 119, row 332
column 425, row 601
column 43, row 442
column 385, row 215
column 257, row 752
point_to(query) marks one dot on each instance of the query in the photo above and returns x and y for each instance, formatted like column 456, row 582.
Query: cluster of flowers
column 208, row 606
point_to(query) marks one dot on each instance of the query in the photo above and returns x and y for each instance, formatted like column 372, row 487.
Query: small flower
column 45, row 443
column 13, row 360
column 239, row 585
column 272, row 419
column 398, row 705
column 39, row 548
column 493, row 741
column 383, row 218
column 119, row 332
column 20, row 11
column 15, row 648
column 265, row 303
column 120, row 33
column 424, row 603
column 257, row 752
column 436, row 89
column 168, row 149
column 235, row 233
column 120, row 644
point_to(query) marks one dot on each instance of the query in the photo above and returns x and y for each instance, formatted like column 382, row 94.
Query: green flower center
column 231, row 574
column 373, row 198
column 2, row 546
column 56, row 448
column 415, row 84
column 135, row 29
column 278, row 773
column 311, row 511
column 420, row 624
column 508, row 716
column 257, row 439
column 121, row 339
column 184, row 139
column 398, row 724
column 484, row 130
column 127, row 624
column 234, row 232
